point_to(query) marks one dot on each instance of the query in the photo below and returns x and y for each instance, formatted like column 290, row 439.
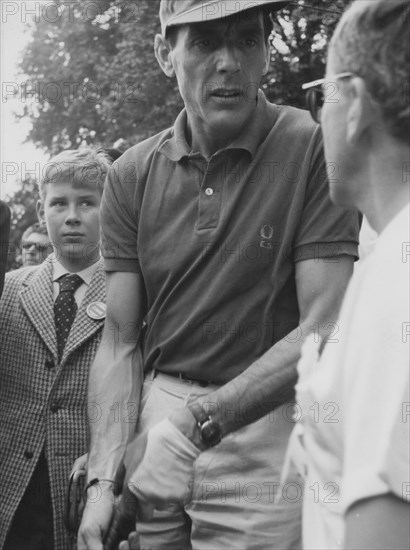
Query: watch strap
column 209, row 429
column 198, row 412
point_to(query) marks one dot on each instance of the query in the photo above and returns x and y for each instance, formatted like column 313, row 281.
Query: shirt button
column 209, row 191
column 28, row 454
column 55, row 407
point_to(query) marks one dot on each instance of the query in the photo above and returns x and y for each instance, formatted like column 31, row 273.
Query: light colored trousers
column 236, row 500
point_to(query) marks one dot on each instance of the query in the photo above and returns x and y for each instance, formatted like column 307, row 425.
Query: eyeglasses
column 38, row 247
column 315, row 95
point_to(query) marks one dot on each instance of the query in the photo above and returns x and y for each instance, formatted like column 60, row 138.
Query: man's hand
column 131, row 544
column 75, row 504
column 80, row 463
column 160, row 466
column 96, row 517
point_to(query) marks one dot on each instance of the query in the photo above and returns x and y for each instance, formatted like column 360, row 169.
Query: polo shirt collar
column 176, row 147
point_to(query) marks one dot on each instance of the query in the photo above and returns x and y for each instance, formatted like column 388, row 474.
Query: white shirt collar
column 86, row 274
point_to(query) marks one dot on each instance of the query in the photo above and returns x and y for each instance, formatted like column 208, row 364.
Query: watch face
column 211, row 432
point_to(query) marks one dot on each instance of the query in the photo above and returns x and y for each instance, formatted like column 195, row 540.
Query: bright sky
column 17, row 158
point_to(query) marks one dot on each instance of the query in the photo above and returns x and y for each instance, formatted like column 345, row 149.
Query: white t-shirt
column 353, row 438
column 367, row 241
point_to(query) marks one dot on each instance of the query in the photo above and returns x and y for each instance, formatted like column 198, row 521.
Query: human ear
column 360, row 112
column 267, row 60
column 163, row 54
column 40, row 212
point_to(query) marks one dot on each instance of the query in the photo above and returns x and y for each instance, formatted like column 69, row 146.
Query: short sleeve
column 325, row 230
column 119, row 218
column 384, row 467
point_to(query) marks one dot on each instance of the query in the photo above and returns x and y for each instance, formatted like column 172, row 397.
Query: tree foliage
column 300, row 44
column 94, row 75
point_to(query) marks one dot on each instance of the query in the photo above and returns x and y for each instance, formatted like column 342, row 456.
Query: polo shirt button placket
column 210, row 197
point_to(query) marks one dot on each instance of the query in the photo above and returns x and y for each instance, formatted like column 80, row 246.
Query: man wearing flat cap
column 219, row 235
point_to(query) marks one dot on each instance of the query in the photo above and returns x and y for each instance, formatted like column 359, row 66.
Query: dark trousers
column 32, row 525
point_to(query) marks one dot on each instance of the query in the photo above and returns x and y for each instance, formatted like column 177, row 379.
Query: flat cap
column 180, row 12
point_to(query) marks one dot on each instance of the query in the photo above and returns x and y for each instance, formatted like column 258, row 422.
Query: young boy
column 51, row 318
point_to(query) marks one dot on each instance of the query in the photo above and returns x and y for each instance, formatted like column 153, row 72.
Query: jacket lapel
column 84, row 326
column 37, row 302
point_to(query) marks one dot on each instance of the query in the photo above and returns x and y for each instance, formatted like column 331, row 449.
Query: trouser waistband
column 182, row 377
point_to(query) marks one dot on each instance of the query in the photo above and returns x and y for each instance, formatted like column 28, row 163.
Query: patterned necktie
column 65, row 308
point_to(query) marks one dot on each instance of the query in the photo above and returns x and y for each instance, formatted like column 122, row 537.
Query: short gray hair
column 372, row 41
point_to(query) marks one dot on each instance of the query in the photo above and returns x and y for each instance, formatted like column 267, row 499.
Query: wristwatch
column 210, row 430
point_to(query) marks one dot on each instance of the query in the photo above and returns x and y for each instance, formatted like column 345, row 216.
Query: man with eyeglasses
column 35, row 245
column 354, row 448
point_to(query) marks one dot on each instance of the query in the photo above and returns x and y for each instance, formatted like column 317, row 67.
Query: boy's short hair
column 85, row 167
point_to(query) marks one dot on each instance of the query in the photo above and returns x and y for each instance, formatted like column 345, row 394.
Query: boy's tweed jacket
column 43, row 403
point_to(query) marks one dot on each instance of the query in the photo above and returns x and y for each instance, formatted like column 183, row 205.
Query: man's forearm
column 269, row 382
column 266, row 384
column 113, row 399
column 113, row 403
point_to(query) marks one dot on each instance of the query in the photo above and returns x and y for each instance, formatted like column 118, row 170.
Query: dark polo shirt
column 216, row 241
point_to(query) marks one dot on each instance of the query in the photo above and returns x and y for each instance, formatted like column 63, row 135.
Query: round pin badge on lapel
column 96, row 310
